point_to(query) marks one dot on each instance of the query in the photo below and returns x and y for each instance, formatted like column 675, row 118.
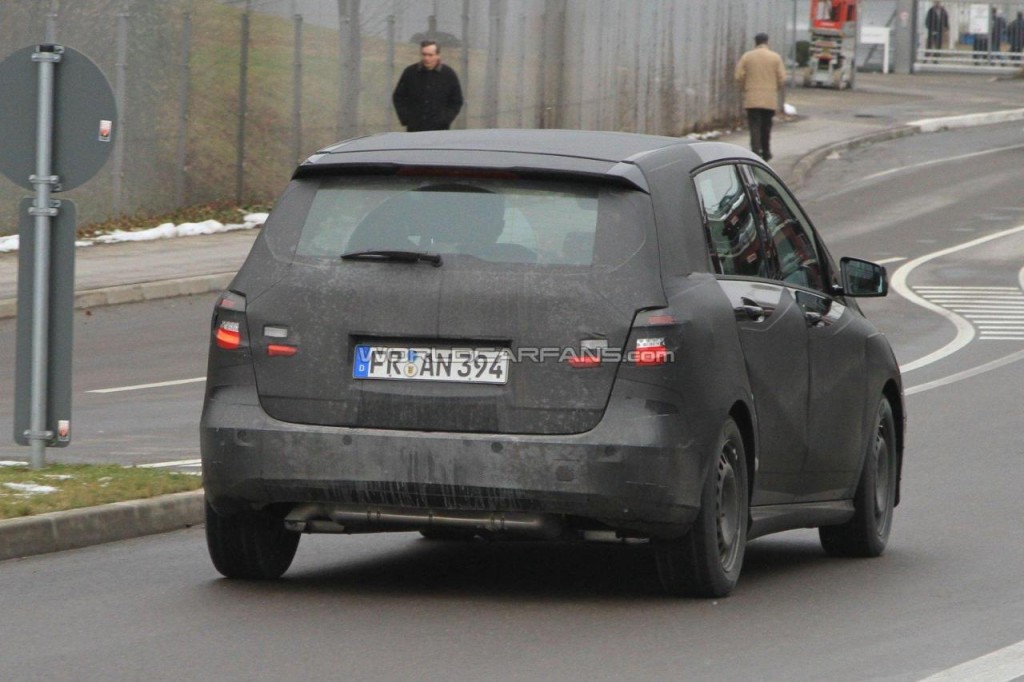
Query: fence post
column 297, row 86
column 521, row 75
column 391, row 73
column 463, row 119
column 119, row 92
column 493, row 64
column 351, row 55
column 183, row 94
column 552, row 64
column 243, row 88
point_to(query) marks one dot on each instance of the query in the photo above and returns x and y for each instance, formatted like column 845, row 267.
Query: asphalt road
column 391, row 607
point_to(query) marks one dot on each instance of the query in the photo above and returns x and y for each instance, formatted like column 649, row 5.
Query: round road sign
column 84, row 113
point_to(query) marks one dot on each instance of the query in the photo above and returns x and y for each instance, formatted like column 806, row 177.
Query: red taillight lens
column 228, row 335
column 229, row 331
column 651, row 356
column 280, row 350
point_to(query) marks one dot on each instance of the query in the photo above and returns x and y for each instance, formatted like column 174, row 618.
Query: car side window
column 799, row 261
column 734, row 241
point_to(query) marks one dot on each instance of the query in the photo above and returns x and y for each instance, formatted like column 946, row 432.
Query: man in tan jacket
column 760, row 73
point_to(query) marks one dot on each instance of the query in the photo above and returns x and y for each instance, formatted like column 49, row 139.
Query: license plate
column 463, row 365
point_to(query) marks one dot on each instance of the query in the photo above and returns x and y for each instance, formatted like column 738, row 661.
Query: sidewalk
column 880, row 107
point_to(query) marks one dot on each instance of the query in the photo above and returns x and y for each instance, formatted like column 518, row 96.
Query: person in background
column 760, row 74
column 428, row 95
column 936, row 23
column 1015, row 35
column 995, row 35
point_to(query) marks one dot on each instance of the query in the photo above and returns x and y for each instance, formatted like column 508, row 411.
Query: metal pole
column 463, row 117
column 183, row 90
column 50, row 34
column 521, row 72
column 297, row 87
column 122, row 58
column 391, row 71
column 243, row 87
column 46, row 56
column 792, row 70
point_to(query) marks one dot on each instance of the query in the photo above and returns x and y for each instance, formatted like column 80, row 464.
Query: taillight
column 650, row 331
column 229, row 328
column 651, row 352
column 228, row 335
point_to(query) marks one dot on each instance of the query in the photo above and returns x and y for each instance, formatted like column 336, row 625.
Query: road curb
column 806, row 163
column 76, row 528
column 141, row 291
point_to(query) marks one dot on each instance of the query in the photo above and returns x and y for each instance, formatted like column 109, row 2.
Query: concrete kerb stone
column 807, row 162
column 802, row 168
column 133, row 293
column 76, row 528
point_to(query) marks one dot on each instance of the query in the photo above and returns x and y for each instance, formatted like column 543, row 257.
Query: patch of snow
column 31, row 488
column 12, row 463
column 59, row 477
column 164, row 231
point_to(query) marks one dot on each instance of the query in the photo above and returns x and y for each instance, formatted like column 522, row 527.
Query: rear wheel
column 706, row 562
column 866, row 534
column 252, row 545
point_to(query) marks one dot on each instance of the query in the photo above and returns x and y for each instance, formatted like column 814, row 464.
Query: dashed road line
column 1003, row 665
column 139, row 387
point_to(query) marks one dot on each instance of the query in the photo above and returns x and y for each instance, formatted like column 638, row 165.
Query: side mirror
column 863, row 278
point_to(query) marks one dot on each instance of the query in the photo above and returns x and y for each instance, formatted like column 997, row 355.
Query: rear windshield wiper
column 402, row 256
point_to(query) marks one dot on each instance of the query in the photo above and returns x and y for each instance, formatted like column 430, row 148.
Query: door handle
column 749, row 312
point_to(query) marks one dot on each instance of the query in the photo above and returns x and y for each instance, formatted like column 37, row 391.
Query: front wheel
column 706, row 562
column 866, row 534
column 250, row 545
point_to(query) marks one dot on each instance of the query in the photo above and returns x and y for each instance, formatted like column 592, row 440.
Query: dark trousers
column 760, row 123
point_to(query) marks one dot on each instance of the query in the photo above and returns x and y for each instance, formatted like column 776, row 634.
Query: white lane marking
column 895, row 259
column 925, row 164
column 964, row 329
column 966, row 374
column 139, row 387
column 1002, row 665
column 164, row 465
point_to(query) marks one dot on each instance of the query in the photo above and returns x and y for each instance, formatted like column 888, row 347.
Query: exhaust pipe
column 356, row 519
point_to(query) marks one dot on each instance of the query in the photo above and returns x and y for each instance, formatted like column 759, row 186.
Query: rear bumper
column 639, row 470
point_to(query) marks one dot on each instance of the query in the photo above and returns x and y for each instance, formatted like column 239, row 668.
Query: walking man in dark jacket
column 937, row 23
column 428, row 95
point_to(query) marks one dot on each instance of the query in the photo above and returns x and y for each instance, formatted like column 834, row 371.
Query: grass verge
column 24, row 492
column 222, row 211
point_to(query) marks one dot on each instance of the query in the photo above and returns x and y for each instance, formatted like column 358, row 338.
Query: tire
column 867, row 532
column 448, row 534
column 706, row 562
column 252, row 546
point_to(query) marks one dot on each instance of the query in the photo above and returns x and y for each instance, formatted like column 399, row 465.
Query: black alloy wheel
column 706, row 562
column 867, row 532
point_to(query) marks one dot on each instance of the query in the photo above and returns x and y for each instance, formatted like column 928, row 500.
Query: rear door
column 772, row 331
column 530, row 272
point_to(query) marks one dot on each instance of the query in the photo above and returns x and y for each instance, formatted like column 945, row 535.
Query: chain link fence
column 219, row 99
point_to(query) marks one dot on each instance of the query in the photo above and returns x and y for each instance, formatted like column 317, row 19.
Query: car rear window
column 495, row 220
